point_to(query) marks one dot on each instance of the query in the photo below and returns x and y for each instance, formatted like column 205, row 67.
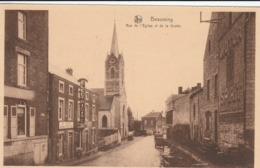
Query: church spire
column 114, row 46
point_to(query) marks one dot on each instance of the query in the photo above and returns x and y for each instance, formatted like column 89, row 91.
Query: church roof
column 114, row 46
column 153, row 114
column 105, row 102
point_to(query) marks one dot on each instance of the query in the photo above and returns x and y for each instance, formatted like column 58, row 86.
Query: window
column 87, row 96
column 5, row 111
column 93, row 113
column 93, row 136
column 151, row 122
column 145, row 122
column 60, row 145
column 216, row 85
column 208, row 121
column 104, row 121
column 22, row 69
column 13, row 121
column 22, row 25
column 208, row 87
column 21, row 121
column 94, row 98
column 112, row 72
column 32, row 121
column 60, row 108
column 78, row 136
column 71, row 90
column 79, row 93
column 5, row 121
column 86, row 112
column 70, row 109
column 61, row 86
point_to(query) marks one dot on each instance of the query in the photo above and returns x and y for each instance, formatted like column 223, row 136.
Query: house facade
column 70, row 132
column 236, row 42
column 62, row 105
column 195, row 115
column 153, row 122
column 25, row 87
column 178, row 108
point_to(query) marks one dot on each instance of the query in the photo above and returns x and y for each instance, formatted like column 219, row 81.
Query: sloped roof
column 153, row 114
column 173, row 97
column 62, row 73
column 105, row 102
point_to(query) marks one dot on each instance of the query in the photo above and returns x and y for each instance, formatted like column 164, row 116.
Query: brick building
column 153, row 122
column 25, row 87
column 70, row 132
column 229, row 80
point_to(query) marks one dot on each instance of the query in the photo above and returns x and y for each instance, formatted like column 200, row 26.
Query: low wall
column 26, row 151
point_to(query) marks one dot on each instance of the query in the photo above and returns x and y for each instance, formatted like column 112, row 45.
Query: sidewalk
column 77, row 161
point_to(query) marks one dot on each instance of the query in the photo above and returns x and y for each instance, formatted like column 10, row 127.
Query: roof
column 173, row 97
column 153, row 114
column 105, row 102
column 53, row 69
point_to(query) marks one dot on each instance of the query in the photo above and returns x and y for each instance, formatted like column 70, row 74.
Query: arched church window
column 104, row 121
column 112, row 72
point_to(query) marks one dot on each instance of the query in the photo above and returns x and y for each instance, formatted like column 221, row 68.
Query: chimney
column 69, row 71
column 198, row 85
column 180, row 90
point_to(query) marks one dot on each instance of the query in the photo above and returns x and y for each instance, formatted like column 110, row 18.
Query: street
column 141, row 153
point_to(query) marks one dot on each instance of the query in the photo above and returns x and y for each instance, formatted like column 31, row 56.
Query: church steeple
column 114, row 46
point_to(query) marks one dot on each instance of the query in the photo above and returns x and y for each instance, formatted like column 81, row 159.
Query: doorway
column 70, row 143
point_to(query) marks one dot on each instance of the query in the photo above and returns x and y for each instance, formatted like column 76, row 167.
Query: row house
column 222, row 112
column 71, row 133
column 87, row 119
column 178, row 111
column 195, row 115
column 229, row 80
column 25, row 115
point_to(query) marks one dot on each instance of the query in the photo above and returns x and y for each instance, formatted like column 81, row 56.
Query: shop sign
column 65, row 125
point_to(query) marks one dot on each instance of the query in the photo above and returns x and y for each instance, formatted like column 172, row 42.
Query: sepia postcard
column 129, row 85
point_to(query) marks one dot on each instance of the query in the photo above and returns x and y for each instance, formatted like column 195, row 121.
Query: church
column 112, row 114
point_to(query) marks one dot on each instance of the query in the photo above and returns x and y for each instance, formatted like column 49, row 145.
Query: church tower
column 114, row 69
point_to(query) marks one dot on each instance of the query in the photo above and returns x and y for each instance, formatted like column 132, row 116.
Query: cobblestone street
column 142, row 153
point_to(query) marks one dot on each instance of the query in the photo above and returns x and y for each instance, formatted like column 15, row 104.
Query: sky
column 157, row 59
